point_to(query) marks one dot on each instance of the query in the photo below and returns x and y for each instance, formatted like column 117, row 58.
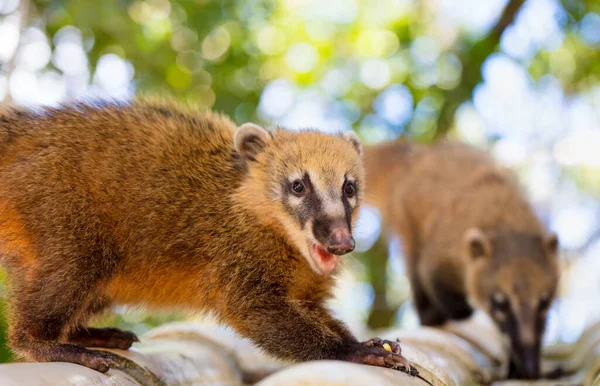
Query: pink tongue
column 323, row 254
column 328, row 260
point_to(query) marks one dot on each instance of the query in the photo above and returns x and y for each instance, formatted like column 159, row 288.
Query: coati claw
column 405, row 366
column 372, row 352
column 413, row 371
column 99, row 361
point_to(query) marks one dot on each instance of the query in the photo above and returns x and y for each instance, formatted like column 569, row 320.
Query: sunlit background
column 521, row 79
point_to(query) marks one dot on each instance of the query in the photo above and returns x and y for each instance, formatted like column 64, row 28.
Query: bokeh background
column 520, row 78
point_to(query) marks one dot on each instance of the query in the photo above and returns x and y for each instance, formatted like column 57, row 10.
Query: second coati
column 470, row 239
column 151, row 204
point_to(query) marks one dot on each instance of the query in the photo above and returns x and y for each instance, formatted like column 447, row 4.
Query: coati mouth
column 324, row 261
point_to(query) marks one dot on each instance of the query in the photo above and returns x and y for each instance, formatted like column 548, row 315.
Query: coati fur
column 156, row 205
column 470, row 239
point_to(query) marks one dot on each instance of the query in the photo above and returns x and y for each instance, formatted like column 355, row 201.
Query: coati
column 152, row 204
column 470, row 239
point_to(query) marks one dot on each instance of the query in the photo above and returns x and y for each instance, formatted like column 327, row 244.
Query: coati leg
column 445, row 296
column 429, row 314
column 42, row 314
column 57, row 270
column 46, row 302
column 300, row 332
column 405, row 225
column 340, row 329
column 100, row 337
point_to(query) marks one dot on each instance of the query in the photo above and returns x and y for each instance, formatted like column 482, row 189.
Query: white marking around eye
column 294, row 200
column 295, row 176
column 499, row 297
column 352, row 201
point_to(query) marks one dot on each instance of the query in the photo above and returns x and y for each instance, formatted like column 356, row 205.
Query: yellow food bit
column 387, row 347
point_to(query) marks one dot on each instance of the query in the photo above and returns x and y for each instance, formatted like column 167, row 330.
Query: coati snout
column 317, row 187
column 335, row 235
column 516, row 283
column 523, row 324
column 333, row 239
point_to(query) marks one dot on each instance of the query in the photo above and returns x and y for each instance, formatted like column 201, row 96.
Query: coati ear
column 551, row 243
column 250, row 139
column 351, row 137
column 476, row 244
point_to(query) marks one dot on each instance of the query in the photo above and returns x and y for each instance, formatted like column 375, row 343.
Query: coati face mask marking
column 513, row 277
column 324, row 215
column 315, row 178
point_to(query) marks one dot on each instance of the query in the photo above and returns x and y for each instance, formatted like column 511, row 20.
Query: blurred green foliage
column 221, row 54
column 5, row 354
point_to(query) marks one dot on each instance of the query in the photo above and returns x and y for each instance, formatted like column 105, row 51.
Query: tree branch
column 472, row 60
column 507, row 18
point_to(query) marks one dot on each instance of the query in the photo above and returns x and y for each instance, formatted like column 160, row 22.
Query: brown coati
column 151, row 204
column 470, row 239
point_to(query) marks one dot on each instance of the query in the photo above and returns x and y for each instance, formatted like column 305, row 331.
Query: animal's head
column 309, row 184
column 514, row 276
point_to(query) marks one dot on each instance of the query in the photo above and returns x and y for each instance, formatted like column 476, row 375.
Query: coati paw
column 99, row 361
column 555, row 373
column 373, row 353
column 393, row 347
column 60, row 352
column 104, row 338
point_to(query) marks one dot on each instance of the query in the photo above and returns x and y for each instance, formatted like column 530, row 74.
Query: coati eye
column 544, row 303
column 298, row 187
column 500, row 302
column 349, row 189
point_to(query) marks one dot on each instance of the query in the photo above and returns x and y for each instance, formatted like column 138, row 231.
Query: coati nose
column 340, row 241
column 529, row 368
